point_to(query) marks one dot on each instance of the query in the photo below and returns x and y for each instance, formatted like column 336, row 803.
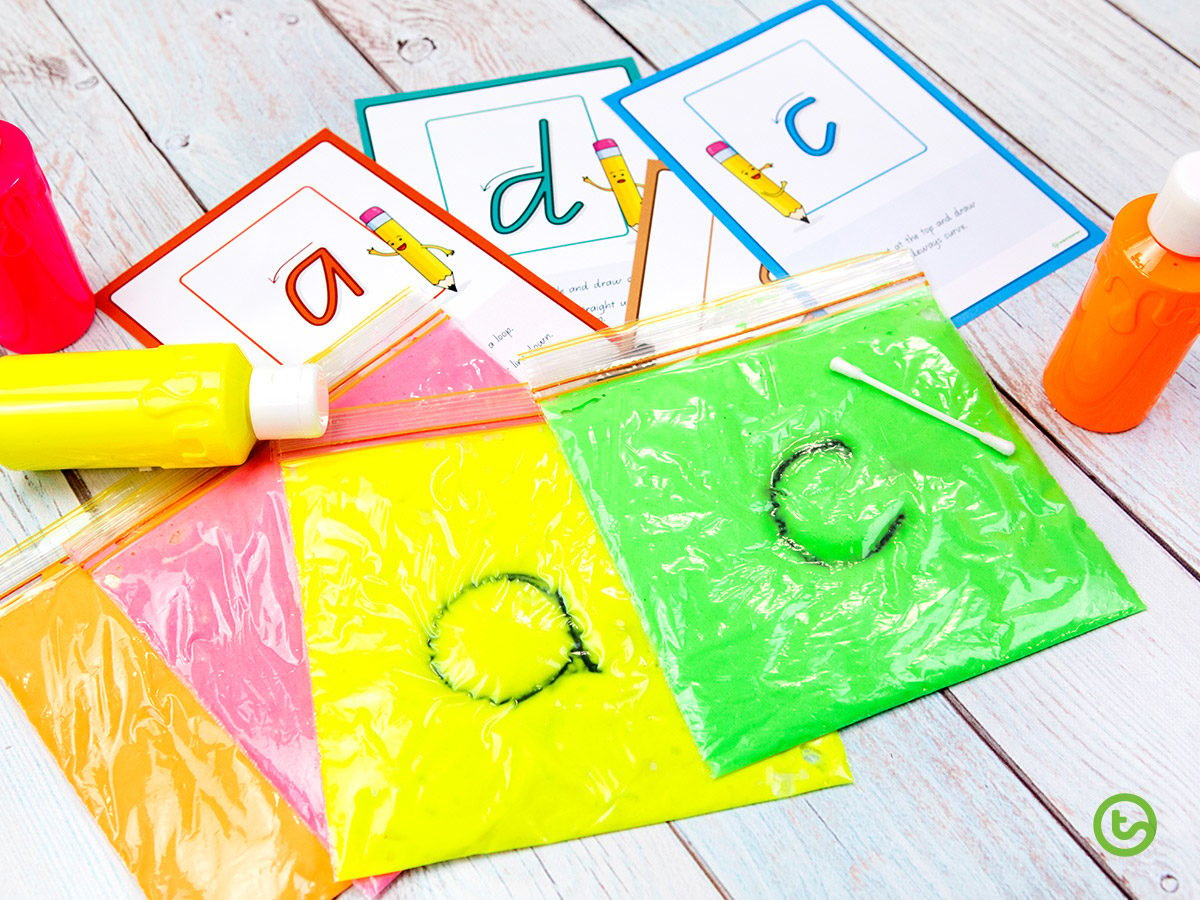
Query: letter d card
column 538, row 164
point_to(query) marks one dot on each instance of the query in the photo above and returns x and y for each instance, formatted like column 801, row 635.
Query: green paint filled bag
column 805, row 550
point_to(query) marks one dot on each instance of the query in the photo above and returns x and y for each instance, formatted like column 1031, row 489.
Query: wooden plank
column 932, row 813
column 29, row 501
column 646, row 862
column 1175, row 22
column 666, row 37
column 49, row 844
column 515, row 874
column 224, row 90
column 1112, row 711
column 425, row 45
column 1107, row 104
column 117, row 196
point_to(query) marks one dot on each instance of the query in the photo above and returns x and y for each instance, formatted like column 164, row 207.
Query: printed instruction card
column 316, row 244
column 685, row 257
column 813, row 142
column 538, row 164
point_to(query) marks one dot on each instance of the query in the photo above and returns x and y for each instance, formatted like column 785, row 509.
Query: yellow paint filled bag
column 480, row 675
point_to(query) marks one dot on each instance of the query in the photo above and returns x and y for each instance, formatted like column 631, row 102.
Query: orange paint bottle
column 1139, row 313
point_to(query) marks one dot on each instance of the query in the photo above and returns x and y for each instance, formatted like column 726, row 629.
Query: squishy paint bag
column 805, row 550
column 203, row 564
column 481, row 679
column 180, row 801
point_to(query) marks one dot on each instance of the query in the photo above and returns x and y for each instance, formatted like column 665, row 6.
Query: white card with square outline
column 481, row 151
column 690, row 257
column 847, row 138
column 314, row 246
column 499, row 186
column 874, row 158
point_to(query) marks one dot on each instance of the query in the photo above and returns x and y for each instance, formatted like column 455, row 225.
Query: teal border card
column 361, row 107
column 442, row 185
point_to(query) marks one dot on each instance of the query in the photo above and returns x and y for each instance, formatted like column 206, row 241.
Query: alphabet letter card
column 685, row 257
column 812, row 141
column 537, row 163
column 313, row 246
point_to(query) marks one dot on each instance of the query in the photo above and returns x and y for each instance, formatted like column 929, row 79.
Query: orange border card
column 684, row 256
column 313, row 246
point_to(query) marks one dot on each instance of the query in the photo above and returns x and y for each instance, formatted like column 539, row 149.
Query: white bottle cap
column 1174, row 218
column 288, row 402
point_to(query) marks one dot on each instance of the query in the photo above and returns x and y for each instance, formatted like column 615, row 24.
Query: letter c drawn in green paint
column 828, row 508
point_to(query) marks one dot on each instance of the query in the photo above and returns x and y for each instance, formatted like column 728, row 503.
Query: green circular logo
column 1125, row 824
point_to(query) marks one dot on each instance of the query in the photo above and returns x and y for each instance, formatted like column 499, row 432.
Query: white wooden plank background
column 145, row 113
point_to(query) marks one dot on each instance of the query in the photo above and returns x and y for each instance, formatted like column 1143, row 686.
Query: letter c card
column 811, row 140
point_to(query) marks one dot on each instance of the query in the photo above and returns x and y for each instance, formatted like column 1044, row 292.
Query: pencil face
column 629, row 198
column 753, row 177
column 396, row 236
column 408, row 248
column 745, row 171
column 616, row 169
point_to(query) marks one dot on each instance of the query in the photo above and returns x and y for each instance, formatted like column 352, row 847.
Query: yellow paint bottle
column 753, row 178
column 409, row 249
column 184, row 406
column 624, row 189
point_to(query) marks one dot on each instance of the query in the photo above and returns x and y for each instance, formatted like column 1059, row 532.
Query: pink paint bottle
column 45, row 302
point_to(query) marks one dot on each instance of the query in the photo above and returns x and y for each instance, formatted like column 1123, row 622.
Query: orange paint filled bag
column 178, row 798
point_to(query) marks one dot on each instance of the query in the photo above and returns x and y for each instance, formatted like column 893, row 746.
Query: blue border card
column 920, row 196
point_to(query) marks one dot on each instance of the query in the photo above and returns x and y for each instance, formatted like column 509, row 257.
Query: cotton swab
column 999, row 444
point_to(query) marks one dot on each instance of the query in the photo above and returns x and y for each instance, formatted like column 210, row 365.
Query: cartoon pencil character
column 753, row 178
column 409, row 248
column 621, row 184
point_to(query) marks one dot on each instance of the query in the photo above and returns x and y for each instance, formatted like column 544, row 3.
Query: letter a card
column 812, row 141
column 538, row 164
column 313, row 246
